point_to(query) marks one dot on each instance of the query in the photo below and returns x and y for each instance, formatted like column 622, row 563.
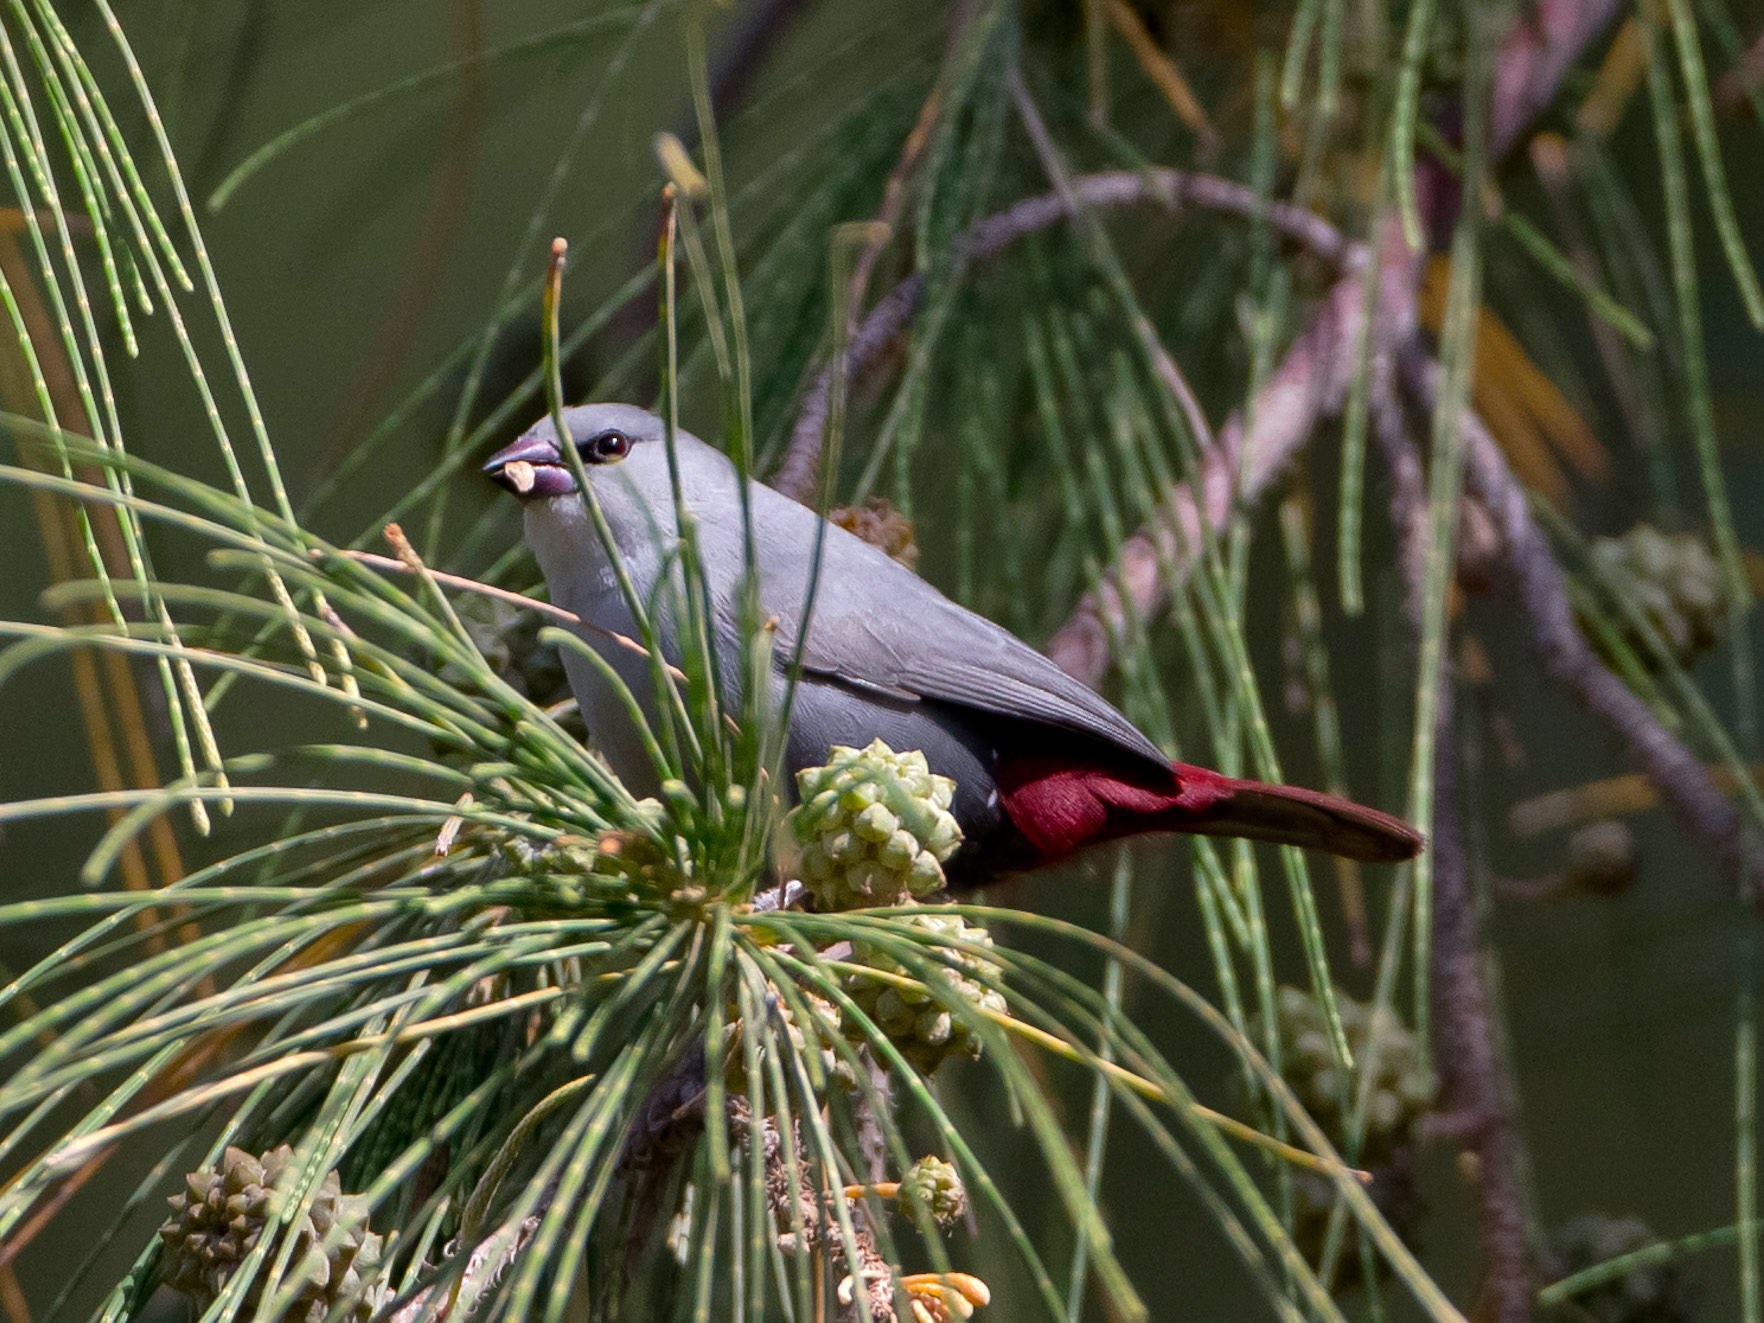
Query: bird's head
column 604, row 435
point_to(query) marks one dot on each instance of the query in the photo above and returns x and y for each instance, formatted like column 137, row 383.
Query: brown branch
column 741, row 55
column 1613, row 797
column 114, row 714
column 987, row 238
column 553, row 613
column 1469, row 1043
column 1468, row 1046
column 1310, row 382
column 1542, row 589
column 1168, row 373
column 802, row 1202
column 1309, row 385
column 670, row 1124
column 12, row 1297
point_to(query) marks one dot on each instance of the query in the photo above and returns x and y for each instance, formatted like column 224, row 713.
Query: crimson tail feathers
column 1292, row 815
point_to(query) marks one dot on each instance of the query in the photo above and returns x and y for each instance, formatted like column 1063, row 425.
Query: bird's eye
column 608, row 447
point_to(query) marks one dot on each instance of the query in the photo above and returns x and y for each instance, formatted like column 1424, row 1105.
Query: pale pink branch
column 1547, row 37
column 1309, row 385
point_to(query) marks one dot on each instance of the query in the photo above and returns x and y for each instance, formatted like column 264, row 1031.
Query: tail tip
column 1293, row 815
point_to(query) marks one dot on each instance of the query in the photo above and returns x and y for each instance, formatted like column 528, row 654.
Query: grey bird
column 1043, row 765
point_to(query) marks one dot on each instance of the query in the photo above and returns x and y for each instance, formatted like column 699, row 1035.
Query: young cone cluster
column 575, row 867
column 936, row 1186
column 873, row 829
column 918, row 1021
column 1402, row 1090
column 221, row 1217
column 1673, row 580
column 824, row 1026
column 873, row 826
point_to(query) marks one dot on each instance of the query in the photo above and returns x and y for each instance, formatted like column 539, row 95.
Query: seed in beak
column 519, row 474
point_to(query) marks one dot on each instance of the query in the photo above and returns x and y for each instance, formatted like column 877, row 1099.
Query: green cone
column 1402, row 1090
column 1673, row 580
column 825, row 1028
column 874, row 827
column 221, row 1216
column 921, row 1025
column 936, row 1186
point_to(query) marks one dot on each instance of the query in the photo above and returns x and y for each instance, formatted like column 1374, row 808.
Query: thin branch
column 546, row 609
column 1469, row 1046
column 1548, row 36
column 1167, row 370
column 1172, row 189
column 1470, row 1050
column 1310, row 382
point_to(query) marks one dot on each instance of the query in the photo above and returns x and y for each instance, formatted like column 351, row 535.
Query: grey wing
column 876, row 625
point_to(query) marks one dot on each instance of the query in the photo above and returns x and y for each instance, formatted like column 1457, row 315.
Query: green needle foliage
column 446, row 1022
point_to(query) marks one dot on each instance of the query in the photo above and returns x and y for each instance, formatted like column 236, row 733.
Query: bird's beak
column 531, row 468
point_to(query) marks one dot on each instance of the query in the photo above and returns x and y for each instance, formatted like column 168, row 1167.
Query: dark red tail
column 1062, row 808
column 1292, row 815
